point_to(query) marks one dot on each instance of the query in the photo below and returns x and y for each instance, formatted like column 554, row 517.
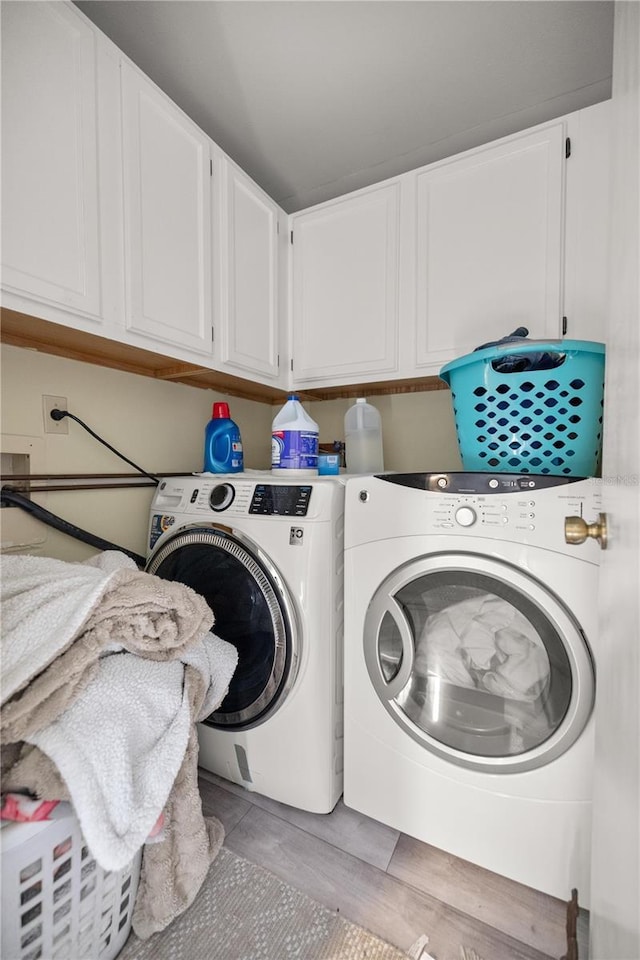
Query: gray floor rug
column 243, row 912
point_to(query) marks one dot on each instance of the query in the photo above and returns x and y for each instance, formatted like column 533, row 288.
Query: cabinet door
column 490, row 245
column 248, row 285
column 167, row 184
column 345, row 288
column 588, row 215
column 50, row 239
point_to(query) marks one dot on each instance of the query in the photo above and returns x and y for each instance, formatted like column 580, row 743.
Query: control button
column 442, row 482
column 363, row 496
column 465, row 516
column 504, row 508
column 531, row 516
column 493, row 483
column 221, row 497
column 505, row 519
column 532, row 503
column 532, row 526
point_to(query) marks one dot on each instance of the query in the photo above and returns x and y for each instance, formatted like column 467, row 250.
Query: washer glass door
column 478, row 662
column 252, row 610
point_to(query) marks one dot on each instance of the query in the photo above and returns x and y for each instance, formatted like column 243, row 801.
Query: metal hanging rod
column 36, row 482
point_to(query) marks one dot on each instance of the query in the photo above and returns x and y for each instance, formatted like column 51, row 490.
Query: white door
column 248, row 286
column 167, row 184
column 615, row 899
column 490, row 245
column 50, row 232
column 345, row 288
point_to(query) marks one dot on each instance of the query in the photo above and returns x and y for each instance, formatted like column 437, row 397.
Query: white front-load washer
column 470, row 649
column 266, row 553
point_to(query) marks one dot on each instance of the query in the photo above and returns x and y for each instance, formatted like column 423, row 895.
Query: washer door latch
column 577, row 530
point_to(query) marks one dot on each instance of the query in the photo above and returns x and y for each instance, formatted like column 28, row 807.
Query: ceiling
column 315, row 98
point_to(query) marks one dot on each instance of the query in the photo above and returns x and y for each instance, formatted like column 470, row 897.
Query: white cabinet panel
column 346, row 286
column 490, row 244
column 589, row 195
column 248, row 285
column 167, row 183
column 50, row 224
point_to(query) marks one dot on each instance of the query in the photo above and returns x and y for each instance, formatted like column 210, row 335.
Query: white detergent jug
column 294, row 441
column 363, row 438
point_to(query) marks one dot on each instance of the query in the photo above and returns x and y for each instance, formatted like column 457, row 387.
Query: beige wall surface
column 418, row 429
column 160, row 426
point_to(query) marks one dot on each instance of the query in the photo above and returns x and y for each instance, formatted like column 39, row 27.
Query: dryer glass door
column 478, row 662
column 252, row 610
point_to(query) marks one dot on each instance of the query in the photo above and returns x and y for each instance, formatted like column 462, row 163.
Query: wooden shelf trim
column 33, row 333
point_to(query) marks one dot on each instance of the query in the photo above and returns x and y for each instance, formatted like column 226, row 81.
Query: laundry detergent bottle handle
column 223, row 451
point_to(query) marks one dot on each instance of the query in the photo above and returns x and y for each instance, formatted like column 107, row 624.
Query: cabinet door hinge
column 278, row 361
column 567, row 148
column 291, row 364
column 564, row 326
column 213, row 334
column 292, row 236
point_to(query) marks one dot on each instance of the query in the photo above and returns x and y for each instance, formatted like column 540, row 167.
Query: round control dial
column 465, row 516
column 221, row 497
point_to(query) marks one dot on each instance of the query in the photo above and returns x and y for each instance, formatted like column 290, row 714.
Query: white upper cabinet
column 346, row 287
column 247, row 285
column 122, row 218
column 167, row 219
column 50, row 205
column 489, row 245
column 395, row 280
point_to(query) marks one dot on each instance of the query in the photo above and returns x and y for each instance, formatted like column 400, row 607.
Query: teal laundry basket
column 530, row 421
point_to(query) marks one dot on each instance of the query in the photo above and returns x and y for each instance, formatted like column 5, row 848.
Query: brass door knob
column 577, row 530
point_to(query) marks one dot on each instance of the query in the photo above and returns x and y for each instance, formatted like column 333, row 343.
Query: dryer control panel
column 464, row 508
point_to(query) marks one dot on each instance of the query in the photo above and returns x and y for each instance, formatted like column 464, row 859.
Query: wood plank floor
column 389, row 883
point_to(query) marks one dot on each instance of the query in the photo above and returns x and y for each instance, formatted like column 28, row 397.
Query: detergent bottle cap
column 220, row 411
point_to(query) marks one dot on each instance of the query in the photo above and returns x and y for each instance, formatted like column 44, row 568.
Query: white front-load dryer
column 266, row 553
column 470, row 652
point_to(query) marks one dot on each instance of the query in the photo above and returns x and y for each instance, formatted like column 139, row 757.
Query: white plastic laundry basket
column 57, row 902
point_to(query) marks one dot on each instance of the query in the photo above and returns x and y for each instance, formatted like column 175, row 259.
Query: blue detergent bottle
column 222, row 443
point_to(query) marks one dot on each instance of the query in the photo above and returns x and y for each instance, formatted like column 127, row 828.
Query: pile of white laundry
column 106, row 671
column 487, row 643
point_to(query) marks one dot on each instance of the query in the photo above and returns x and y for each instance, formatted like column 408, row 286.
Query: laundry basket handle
column 529, row 346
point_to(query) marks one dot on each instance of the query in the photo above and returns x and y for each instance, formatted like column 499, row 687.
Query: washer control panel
column 205, row 497
column 271, row 499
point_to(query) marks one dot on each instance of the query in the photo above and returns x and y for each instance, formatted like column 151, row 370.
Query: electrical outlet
column 54, row 403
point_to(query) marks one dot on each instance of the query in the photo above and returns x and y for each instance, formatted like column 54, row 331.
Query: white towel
column 44, row 604
column 120, row 746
